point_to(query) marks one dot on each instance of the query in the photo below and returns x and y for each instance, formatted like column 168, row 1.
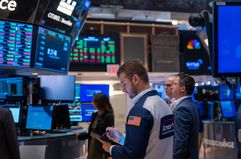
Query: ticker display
column 15, row 44
column 94, row 50
column 52, row 50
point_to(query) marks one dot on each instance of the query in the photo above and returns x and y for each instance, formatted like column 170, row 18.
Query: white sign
column 66, row 6
column 8, row 5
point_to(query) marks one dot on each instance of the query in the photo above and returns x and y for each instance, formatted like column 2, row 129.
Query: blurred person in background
column 100, row 120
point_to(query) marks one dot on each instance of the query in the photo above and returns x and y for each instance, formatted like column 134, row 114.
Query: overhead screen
column 52, row 50
column 65, row 16
column 97, row 51
column 15, row 44
column 227, row 33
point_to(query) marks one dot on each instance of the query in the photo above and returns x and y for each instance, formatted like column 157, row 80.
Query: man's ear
column 135, row 79
column 183, row 89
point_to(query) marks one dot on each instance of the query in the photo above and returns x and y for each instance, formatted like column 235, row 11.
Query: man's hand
column 106, row 145
column 113, row 134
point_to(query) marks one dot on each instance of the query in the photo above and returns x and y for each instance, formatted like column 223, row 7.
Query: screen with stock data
column 52, row 50
column 94, row 50
column 15, row 44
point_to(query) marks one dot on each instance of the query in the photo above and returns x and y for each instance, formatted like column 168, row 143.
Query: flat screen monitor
column 57, row 87
column 95, row 51
column 39, row 117
column 225, row 93
column 228, row 109
column 61, row 117
column 87, row 111
column 87, row 91
column 65, row 16
column 52, row 50
column 15, row 43
column 75, row 113
column 15, row 110
column 227, row 33
column 11, row 87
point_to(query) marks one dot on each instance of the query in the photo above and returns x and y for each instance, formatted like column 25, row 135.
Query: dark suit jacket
column 9, row 148
column 186, row 125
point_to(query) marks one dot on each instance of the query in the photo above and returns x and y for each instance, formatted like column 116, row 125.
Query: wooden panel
column 134, row 46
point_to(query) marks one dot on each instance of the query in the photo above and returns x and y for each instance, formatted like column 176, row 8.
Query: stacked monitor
column 57, row 88
column 15, row 44
column 11, row 87
column 93, row 53
column 227, row 33
column 227, row 101
column 228, row 109
column 52, row 50
column 83, row 109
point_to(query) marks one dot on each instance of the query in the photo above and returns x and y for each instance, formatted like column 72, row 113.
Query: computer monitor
column 11, row 87
column 15, row 43
column 75, row 113
column 228, row 109
column 39, row 117
column 57, row 87
column 93, row 53
column 87, row 91
column 15, row 110
column 225, row 93
column 226, row 44
column 52, row 50
column 61, row 117
column 87, row 111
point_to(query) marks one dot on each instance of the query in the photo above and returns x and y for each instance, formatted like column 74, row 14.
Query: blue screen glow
column 229, row 41
column 39, row 117
column 228, row 109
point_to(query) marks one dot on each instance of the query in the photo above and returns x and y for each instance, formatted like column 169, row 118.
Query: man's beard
column 133, row 91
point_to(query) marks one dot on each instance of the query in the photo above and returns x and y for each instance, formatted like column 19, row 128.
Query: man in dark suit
column 186, row 120
column 9, row 148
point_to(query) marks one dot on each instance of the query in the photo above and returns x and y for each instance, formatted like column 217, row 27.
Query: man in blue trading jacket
column 186, row 120
column 149, row 125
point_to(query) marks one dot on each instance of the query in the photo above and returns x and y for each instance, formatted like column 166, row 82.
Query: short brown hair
column 187, row 81
column 134, row 66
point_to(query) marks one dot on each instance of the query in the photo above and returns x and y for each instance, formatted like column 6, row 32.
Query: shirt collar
column 181, row 99
column 139, row 95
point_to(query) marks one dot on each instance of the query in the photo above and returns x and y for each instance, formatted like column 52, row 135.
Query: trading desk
column 219, row 140
column 53, row 146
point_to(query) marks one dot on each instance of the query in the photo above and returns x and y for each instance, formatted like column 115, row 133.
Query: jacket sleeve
column 182, row 128
column 11, row 136
column 137, row 138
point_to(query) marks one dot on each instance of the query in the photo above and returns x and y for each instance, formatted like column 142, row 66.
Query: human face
column 168, row 86
column 127, row 85
column 177, row 89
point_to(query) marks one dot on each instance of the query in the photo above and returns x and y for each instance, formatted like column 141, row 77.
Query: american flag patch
column 134, row 120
